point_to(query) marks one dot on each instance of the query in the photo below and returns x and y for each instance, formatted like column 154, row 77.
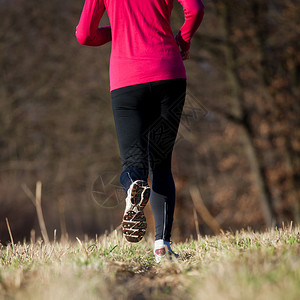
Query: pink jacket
column 143, row 45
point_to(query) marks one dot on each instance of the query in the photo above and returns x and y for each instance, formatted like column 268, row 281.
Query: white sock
column 159, row 244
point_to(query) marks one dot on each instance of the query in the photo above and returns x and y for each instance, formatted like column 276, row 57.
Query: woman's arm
column 87, row 31
column 193, row 15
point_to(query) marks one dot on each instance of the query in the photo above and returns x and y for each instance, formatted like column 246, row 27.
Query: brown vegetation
column 56, row 122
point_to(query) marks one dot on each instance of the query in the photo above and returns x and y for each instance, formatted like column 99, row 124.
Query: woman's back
column 141, row 28
column 143, row 46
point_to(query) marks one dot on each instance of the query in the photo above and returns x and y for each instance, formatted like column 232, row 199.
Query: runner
column 148, row 85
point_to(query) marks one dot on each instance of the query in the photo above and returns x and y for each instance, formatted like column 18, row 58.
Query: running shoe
column 134, row 221
column 162, row 251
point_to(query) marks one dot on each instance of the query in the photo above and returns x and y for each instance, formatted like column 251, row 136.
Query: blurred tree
column 56, row 122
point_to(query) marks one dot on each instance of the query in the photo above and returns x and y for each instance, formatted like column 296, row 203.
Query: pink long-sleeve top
column 143, row 46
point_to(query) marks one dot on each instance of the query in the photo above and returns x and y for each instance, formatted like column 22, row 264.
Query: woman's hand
column 184, row 47
column 185, row 54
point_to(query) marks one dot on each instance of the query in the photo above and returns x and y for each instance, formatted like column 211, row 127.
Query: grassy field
column 242, row 265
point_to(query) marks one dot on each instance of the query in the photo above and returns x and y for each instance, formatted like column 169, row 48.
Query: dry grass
column 244, row 265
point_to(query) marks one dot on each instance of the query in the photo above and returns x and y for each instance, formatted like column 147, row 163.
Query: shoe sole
column 134, row 221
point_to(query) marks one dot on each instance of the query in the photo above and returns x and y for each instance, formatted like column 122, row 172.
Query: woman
column 148, row 84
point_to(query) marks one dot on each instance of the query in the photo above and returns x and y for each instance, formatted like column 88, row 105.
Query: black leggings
column 147, row 117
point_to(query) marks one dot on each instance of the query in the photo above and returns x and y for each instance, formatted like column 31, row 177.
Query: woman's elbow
column 82, row 38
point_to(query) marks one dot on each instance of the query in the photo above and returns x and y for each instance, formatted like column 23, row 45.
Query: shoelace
column 170, row 250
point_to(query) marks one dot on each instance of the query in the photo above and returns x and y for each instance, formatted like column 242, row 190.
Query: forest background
column 237, row 157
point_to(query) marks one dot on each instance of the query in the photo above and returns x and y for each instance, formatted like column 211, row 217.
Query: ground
column 241, row 265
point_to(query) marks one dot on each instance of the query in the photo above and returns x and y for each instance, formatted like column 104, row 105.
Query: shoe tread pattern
column 134, row 221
